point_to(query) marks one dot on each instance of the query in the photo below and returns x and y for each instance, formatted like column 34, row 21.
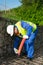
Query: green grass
column 30, row 13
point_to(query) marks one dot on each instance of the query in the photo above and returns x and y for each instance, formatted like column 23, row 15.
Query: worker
column 23, row 29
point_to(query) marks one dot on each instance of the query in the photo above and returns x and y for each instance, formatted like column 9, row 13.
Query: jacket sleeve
column 27, row 27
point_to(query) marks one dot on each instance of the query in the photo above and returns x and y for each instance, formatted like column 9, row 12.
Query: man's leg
column 16, row 43
column 30, row 52
column 29, row 45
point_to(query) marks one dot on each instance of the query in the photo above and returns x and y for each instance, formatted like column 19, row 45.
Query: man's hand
column 25, row 36
column 16, row 51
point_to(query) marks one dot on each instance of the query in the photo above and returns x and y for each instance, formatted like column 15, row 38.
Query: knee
column 30, row 41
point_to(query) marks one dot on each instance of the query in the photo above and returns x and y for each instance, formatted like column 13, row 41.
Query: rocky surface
column 7, row 56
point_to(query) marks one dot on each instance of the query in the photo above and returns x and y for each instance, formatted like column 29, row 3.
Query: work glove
column 25, row 36
column 16, row 51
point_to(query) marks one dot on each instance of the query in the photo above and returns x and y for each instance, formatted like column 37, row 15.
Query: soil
column 7, row 56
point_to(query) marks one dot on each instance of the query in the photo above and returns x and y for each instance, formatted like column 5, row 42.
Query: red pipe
column 21, row 46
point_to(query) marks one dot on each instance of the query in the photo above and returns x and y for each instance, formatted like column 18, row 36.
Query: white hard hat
column 10, row 29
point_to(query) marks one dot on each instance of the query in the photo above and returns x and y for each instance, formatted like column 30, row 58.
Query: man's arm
column 27, row 27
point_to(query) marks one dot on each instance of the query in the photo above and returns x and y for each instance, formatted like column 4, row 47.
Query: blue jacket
column 27, row 27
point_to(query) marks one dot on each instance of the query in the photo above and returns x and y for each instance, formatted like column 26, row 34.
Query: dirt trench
column 7, row 56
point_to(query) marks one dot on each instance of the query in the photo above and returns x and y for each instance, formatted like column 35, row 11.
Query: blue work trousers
column 28, row 45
